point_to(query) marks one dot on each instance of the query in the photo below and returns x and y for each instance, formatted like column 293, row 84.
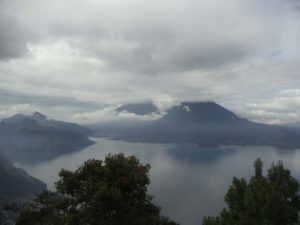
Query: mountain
column 16, row 188
column 293, row 125
column 204, row 123
column 138, row 109
column 39, row 120
column 35, row 138
column 204, row 112
column 15, row 182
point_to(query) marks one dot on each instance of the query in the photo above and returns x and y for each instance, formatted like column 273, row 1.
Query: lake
column 188, row 181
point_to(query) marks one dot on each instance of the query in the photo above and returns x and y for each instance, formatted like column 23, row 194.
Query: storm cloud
column 74, row 58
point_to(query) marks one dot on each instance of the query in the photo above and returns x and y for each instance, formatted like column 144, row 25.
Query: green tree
column 264, row 200
column 112, row 192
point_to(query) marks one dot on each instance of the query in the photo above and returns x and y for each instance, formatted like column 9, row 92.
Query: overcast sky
column 76, row 59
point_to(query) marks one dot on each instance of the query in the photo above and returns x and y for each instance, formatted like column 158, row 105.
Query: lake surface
column 188, row 181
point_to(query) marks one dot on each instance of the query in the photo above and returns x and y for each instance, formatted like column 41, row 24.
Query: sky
column 76, row 60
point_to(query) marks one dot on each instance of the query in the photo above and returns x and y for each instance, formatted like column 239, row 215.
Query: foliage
column 264, row 200
column 112, row 192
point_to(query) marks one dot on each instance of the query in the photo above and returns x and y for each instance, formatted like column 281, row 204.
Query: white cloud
column 25, row 109
column 110, row 115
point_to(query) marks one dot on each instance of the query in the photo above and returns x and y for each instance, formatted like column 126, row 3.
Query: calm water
column 188, row 182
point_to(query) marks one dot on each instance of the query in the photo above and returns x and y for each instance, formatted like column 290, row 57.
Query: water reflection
column 187, row 181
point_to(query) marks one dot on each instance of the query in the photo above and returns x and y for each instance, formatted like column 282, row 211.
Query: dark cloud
column 148, row 59
column 12, row 42
column 11, row 97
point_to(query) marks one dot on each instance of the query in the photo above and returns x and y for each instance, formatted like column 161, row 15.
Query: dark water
column 188, row 182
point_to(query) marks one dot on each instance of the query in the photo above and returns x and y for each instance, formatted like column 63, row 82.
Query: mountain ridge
column 185, row 111
column 32, row 138
column 204, row 123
